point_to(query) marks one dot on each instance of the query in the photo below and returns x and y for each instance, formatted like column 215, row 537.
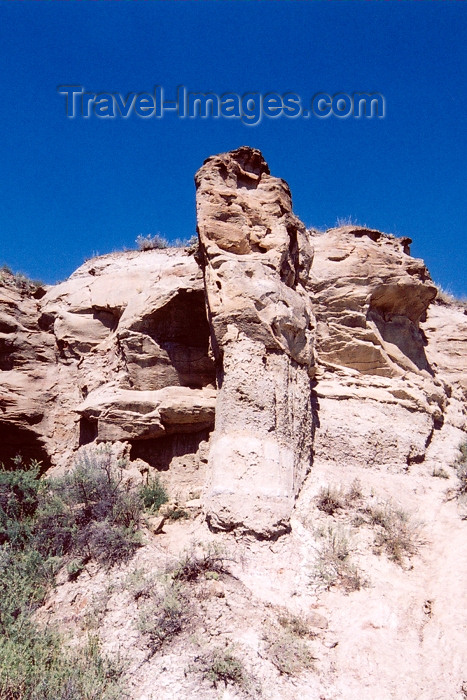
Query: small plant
column 290, row 654
column 221, row 665
column 150, row 242
column 19, row 281
column 178, row 514
column 74, row 568
column 354, row 493
column 330, row 500
column 165, row 615
column 346, row 221
column 139, row 584
column 461, row 470
column 294, row 625
column 440, row 473
column 191, row 242
column 199, row 559
column 395, row 533
column 153, row 495
column 333, row 565
column 461, row 466
column 211, row 576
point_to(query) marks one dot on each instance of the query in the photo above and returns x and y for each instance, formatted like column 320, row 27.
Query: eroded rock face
column 28, row 376
column 256, row 258
column 369, row 297
column 118, row 352
column 236, row 371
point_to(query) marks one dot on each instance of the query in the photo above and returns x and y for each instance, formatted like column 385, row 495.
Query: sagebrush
column 36, row 663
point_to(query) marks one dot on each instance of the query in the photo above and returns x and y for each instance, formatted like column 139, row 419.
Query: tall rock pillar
column 256, row 257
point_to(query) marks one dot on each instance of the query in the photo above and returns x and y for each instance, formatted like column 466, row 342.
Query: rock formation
column 256, row 258
column 237, row 370
column 370, row 298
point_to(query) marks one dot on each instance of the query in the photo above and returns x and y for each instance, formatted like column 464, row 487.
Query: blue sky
column 71, row 188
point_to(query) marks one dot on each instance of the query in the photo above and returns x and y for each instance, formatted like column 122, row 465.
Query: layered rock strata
column 235, row 370
column 256, row 258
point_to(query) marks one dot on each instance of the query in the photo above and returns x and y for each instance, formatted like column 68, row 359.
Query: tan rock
column 124, row 414
column 369, row 298
column 256, row 256
column 130, row 349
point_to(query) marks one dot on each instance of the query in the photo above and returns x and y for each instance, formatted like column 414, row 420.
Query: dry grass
column 290, row 654
column 222, row 665
column 294, row 625
column 333, row 566
column 396, row 535
column 21, row 282
column 158, row 242
column 167, row 613
column 461, row 470
column 331, row 499
column 150, row 242
column 200, row 558
column 446, row 298
column 440, row 473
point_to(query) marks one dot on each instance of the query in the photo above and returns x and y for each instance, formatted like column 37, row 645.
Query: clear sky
column 71, row 188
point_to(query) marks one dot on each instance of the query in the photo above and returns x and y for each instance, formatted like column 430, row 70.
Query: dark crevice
column 181, row 329
column 16, row 440
column 87, row 430
column 159, row 452
column 416, row 459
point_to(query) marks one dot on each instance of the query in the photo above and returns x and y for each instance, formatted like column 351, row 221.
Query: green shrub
column 90, row 512
column 290, row 654
column 153, row 495
column 165, row 616
column 35, row 664
column 106, row 542
column 221, row 665
column 38, row 666
column 54, row 527
column 178, row 514
column 19, row 498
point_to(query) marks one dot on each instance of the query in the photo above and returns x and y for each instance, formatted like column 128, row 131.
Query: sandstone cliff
column 261, row 336
column 251, row 373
